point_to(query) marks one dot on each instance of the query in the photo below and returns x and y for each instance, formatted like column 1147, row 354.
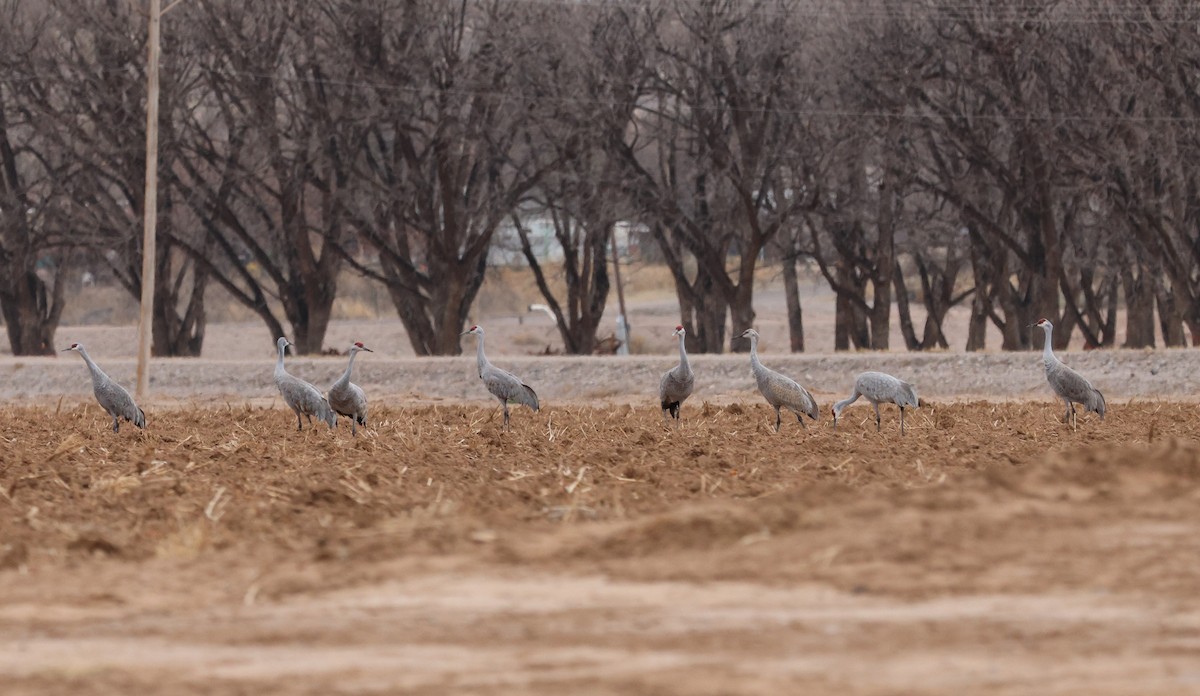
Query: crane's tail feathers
column 530, row 398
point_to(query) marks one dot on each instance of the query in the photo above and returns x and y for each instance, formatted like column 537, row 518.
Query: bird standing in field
column 676, row 385
column 780, row 391
column 878, row 388
column 503, row 385
column 347, row 398
column 302, row 397
column 1069, row 385
column 112, row 396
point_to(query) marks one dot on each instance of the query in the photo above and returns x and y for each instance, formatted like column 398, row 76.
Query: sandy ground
column 593, row 550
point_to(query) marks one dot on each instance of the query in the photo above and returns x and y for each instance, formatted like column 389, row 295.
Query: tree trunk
column 795, row 313
column 174, row 335
column 885, row 263
column 31, row 308
column 741, row 314
column 905, row 312
column 1169, row 316
column 1139, row 309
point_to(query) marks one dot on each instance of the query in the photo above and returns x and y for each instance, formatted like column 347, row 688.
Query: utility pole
column 622, row 317
column 150, row 204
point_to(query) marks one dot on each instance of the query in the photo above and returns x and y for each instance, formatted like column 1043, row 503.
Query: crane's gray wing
column 1071, row 385
column 348, row 400
column 505, row 385
column 118, row 402
column 676, row 385
column 785, row 391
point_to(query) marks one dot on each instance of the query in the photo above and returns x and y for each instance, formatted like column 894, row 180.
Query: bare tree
column 595, row 74
column 709, row 156
column 34, row 254
column 1143, row 78
column 444, row 159
column 268, row 152
column 93, row 109
column 988, row 92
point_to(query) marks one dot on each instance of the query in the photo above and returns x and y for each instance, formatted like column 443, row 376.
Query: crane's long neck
column 480, row 358
column 97, row 374
column 683, row 360
column 754, row 361
column 345, row 378
column 279, row 363
column 1047, row 346
column 837, row 408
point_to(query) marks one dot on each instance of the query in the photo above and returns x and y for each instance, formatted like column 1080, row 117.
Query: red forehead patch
column 474, row 327
column 679, row 328
column 359, row 344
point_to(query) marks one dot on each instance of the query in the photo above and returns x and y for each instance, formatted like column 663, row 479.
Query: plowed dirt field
column 595, row 551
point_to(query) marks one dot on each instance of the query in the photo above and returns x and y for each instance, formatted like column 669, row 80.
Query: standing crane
column 112, row 397
column 1069, row 385
column 347, row 398
column 302, row 397
column 505, row 386
column 779, row 390
column 676, row 384
column 879, row 388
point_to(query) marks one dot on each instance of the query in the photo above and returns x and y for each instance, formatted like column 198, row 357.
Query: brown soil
column 595, row 551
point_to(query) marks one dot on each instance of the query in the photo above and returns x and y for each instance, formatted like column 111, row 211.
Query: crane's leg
column 1067, row 413
column 353, row 427
column 877, row 418
column 1074, row 417
column 116, row 424
column 299, row 422
column 901, row 420
column 504, row 403
column 778, row 419
column 800, row 420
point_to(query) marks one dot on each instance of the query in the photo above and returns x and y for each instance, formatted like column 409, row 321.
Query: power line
column 642, row 105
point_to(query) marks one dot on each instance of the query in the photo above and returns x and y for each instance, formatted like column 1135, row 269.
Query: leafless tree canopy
column 1021, row 159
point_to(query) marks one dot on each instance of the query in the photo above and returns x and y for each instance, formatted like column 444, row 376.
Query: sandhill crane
column 503, row 385
column 346, row 398
column 677, row 383
column 112, row 396
column 1069, row 385
column 780, row 391
column 878, row 388
column 302, row 397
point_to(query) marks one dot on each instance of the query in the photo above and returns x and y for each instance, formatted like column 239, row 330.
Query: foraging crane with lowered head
column 505, row 386
column 879, row 388
column 112, row 396
column 779, row 390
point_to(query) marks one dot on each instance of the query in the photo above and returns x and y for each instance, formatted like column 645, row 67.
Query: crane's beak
column 367, row 349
